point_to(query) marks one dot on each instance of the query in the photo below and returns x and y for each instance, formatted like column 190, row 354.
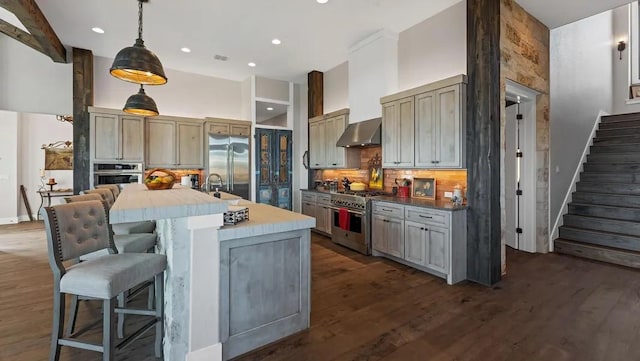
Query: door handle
column 421, row 216
column 305, row 159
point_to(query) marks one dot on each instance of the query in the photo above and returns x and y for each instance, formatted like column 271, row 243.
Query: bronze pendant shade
column 141, row 104
column 137, row 64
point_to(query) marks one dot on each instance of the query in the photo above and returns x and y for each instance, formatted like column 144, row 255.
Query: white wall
column 621, row 76
column 581, row 86
column 300, row 142
column 9, row 187
column 35, row 130
column 336, row 88
column 185, row 94
column 433, row 49
column 32, row 82
column 429, row 51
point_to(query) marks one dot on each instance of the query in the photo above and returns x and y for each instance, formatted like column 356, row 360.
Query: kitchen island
column 216, row 302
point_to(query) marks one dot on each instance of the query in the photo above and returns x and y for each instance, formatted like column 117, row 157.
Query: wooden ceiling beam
column 20, row 35
column 28, row 12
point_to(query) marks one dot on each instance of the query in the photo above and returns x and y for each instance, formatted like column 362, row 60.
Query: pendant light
column 136, row 63
column 141, row 104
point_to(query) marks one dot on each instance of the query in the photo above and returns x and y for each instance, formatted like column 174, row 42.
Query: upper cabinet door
column 334, row 127
column 190, row 151
column 448, row 127
column 161, row 143
column 425, row 128
column 132, row 138
column 105, row 137
column 390, row 135
column 317, row 157
column 117, row 138
column 398, row 133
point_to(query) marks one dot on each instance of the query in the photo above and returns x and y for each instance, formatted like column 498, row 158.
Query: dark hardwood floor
column 548, row 307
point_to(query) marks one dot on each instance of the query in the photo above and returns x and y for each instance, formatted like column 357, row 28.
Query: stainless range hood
column 361, row 134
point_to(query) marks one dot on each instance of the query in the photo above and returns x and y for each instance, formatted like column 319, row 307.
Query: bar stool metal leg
column 108, row 329
column 159, row 298
column 73, row 315
column 58, row 324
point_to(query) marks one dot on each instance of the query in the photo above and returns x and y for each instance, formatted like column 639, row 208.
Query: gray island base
column 228, row 289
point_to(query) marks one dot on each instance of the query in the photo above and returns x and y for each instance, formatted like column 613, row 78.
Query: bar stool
column 77, row 229
column 125, row 243
column 110, row 192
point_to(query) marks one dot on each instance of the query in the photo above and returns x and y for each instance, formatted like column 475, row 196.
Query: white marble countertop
column 265, row 219
column 137, row 203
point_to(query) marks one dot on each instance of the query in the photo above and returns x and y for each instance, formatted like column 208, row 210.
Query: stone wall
column 524, row 51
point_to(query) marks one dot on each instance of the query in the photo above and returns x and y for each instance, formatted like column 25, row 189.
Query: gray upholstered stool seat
column 114, row 188
column 109, row 275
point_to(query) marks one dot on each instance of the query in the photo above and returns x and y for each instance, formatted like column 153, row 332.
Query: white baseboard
column 572, row 187
column 209, row 353
column 9, row 220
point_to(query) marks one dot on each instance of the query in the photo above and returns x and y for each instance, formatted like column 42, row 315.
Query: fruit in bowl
column 159, row 179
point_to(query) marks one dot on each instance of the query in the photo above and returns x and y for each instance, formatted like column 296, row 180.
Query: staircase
column 603, row 222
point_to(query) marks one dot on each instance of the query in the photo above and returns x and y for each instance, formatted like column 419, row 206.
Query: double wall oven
column 121, row 173
column 355, row 229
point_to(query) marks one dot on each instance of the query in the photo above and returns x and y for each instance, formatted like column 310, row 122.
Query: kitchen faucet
column 207, row 185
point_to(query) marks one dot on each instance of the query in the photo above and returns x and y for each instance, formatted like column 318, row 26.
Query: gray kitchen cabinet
column 324, row 132
column 174, row 143
column 398, row 133
column 228, row 127
column 437, row 123
column 317, row 158
column 189, row 144
column 387, row 234
column 428, row 239
column 116, row 137
column 415, row 242
column 324, row 213
column 318, row 205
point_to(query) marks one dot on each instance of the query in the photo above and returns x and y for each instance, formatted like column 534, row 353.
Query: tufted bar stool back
column 106, row 195
column 112, row 187
column 74, row 230
column 83, row 198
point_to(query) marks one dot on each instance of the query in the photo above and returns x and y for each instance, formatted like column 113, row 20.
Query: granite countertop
column 264, row 219
column 440, row 204
column 137, row 203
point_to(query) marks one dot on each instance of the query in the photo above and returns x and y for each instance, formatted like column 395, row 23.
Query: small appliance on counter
column 195, row 181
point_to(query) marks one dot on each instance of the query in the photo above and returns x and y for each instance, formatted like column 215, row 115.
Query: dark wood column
column 315, row 100
column 82, row 99
column 483, row 141
column 316, row 93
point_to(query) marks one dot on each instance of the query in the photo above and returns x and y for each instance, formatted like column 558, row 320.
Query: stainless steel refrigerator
column 229, row 157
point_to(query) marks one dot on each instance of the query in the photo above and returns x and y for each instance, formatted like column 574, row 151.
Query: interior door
column 274, row 167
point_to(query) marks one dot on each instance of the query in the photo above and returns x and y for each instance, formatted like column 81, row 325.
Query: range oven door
column 355, row 236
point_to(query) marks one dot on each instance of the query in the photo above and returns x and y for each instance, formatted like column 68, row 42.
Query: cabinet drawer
column 308, row 197
column 219, row 128
column 388, row 209
column 323, row 199
column 242, row 130
column 427, row 215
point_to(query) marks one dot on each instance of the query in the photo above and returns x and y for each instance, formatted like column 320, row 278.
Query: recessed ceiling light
column 269, row 108
column 276, row 41
column 252, row 64
column 322, row 1
column 185, row 50
column 98, row 30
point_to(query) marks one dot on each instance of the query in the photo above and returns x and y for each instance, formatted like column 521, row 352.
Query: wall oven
column 121, row 173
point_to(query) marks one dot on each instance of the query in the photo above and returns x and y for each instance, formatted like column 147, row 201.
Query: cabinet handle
column 426, row 229
column 334, row 164
column 437, row 161
column 421, row 216
column 387, row 210
column 422, row 228
column 317, row 163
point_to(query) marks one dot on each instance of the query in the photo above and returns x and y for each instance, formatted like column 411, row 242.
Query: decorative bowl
column 159, row 178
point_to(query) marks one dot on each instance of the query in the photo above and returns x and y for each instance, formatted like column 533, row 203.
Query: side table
column 52, row 193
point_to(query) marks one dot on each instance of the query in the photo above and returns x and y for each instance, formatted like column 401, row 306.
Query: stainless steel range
column 353, row 229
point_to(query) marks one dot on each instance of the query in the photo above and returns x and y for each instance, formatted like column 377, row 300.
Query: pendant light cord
column 140, row 19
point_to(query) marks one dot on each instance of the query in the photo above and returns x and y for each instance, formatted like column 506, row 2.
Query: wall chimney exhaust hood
column 361, row 134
